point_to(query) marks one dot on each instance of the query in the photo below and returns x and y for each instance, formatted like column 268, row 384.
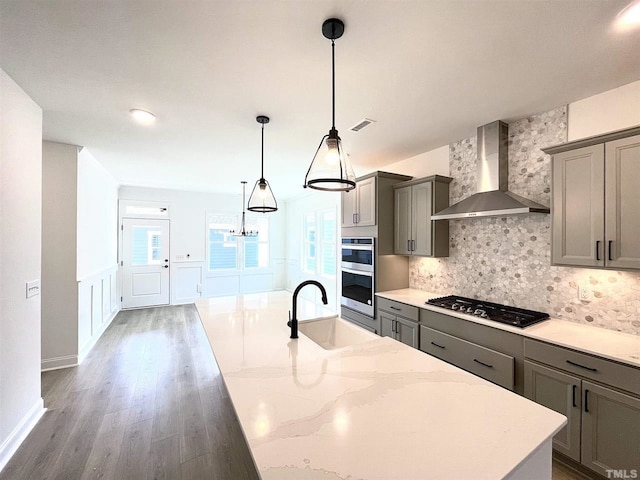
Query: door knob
column 166, row 259
column 166, row 266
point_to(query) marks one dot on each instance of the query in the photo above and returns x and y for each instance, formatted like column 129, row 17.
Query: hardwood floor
column 147, row 403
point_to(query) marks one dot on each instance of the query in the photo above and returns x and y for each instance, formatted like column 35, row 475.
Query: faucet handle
column 289, row 322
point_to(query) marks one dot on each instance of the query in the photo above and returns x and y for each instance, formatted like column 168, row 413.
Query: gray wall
column 507, row 259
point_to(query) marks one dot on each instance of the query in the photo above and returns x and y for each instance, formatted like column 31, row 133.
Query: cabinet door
column 407, row 332
column 366, row 212
column 387, row 322
column 622, row 174
column 610, row 430
column 349, row 205
column 560, row 392
column 402, row 221
column 421, row 223
column 578, row 207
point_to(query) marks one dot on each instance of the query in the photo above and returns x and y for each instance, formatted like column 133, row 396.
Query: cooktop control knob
column 455, row 306
column 469, row 310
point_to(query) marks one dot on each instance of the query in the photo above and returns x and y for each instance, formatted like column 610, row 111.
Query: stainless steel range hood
column 493, row 198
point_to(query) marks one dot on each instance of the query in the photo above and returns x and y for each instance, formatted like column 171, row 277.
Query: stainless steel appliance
column 357, row 264
column 517, row 317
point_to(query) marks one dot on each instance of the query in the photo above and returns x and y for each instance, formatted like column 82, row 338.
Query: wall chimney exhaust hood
column 493, row 198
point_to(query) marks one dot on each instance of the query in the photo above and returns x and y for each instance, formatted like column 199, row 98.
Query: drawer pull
column 609, row 253
column 482, row 363
column 597, row 250
column 436, row 345
column 395, row 308
column 575, row 388
column 582, row 366
column 586, row 401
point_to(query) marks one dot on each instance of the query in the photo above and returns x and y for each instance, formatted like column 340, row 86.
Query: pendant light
column 262, row 199
column 330, row 168
column 243, row 231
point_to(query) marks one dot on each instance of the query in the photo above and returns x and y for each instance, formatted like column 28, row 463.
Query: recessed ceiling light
column 629, row 17
column 142, row 116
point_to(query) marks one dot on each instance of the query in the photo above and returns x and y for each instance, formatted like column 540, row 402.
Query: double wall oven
column 357, row 266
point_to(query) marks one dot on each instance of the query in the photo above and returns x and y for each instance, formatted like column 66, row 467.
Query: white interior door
column 145, row 262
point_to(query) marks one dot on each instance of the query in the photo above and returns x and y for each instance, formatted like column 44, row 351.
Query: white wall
column 188, row 236
column 79, row 253
column 433, row 162
column 20, row 216
column 608, row 111
column 59, row 245
column 310, row 201
column 97, row 228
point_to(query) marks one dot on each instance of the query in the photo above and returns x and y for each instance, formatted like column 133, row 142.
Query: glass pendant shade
column 262, row 198
column 330, row 169
column 243, row 232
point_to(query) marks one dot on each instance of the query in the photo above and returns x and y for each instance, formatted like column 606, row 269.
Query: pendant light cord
column 333, row 83
column 262, row 162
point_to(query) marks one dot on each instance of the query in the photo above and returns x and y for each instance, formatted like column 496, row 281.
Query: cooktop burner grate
column 517, row 317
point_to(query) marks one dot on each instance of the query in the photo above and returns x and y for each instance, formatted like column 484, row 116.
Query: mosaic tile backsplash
column 507, row 259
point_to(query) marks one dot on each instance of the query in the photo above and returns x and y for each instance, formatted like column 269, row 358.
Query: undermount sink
column 332, row 333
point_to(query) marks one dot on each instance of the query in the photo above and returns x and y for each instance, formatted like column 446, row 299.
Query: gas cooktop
column 517, row 317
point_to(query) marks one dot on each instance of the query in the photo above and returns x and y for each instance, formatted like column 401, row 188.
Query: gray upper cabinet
column 622, row 203
column 594, row 202
column 359, row 205
column 414, row 231
column 367, row 211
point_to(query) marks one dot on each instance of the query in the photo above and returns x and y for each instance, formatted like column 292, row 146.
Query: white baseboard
column 56, row 363
column 17, row 436
column 91, row 343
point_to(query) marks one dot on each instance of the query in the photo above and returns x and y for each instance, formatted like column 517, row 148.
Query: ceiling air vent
column 360, row 125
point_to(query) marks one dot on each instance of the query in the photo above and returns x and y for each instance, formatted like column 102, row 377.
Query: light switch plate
column 33, row 288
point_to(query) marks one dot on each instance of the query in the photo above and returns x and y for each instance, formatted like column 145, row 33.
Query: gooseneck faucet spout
column 293, row 320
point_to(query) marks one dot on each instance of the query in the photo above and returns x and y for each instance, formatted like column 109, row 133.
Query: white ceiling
column 429, row 72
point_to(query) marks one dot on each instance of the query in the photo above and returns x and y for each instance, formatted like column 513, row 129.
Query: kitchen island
column 375, row 410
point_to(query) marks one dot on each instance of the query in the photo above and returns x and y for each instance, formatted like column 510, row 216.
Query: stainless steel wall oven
column 357, row 265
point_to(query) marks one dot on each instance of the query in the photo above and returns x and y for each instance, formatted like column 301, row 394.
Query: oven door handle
column 357, row 247
column 357, row 272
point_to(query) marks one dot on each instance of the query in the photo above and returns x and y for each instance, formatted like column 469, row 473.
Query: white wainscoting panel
column 186, row 279
column 97, row 306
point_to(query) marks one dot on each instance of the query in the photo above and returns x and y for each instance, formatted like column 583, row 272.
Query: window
column 146, row 247
column 319, row 243
column 228, row 252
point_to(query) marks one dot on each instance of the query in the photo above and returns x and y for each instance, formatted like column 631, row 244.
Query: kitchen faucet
column 293, row 320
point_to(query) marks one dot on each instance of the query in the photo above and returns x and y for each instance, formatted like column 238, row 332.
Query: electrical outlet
column 584, row 293
column 33, row 288
column 179, row 258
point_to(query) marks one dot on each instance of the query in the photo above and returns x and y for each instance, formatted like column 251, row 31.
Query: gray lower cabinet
column 603, row 429
column 398, row 321
column 560, row 392
column 484, row 362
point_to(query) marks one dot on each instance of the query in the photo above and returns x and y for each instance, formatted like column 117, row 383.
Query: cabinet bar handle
column 609, row 250
column 413, row 245
column 436, row 345
column 574, row 388
column 353, row 218
column 586, row 401
column 482, row 363
column 395, row 308
column 597, row 249
column 408, row 245
column 393, row 326
column 582, row 366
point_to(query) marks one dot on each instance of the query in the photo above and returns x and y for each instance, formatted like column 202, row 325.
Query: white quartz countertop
column 617, row 346
column 377, row 410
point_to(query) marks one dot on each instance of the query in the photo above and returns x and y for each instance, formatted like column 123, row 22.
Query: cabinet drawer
column 484, row 362
column 587, row 366
column 397, row 308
